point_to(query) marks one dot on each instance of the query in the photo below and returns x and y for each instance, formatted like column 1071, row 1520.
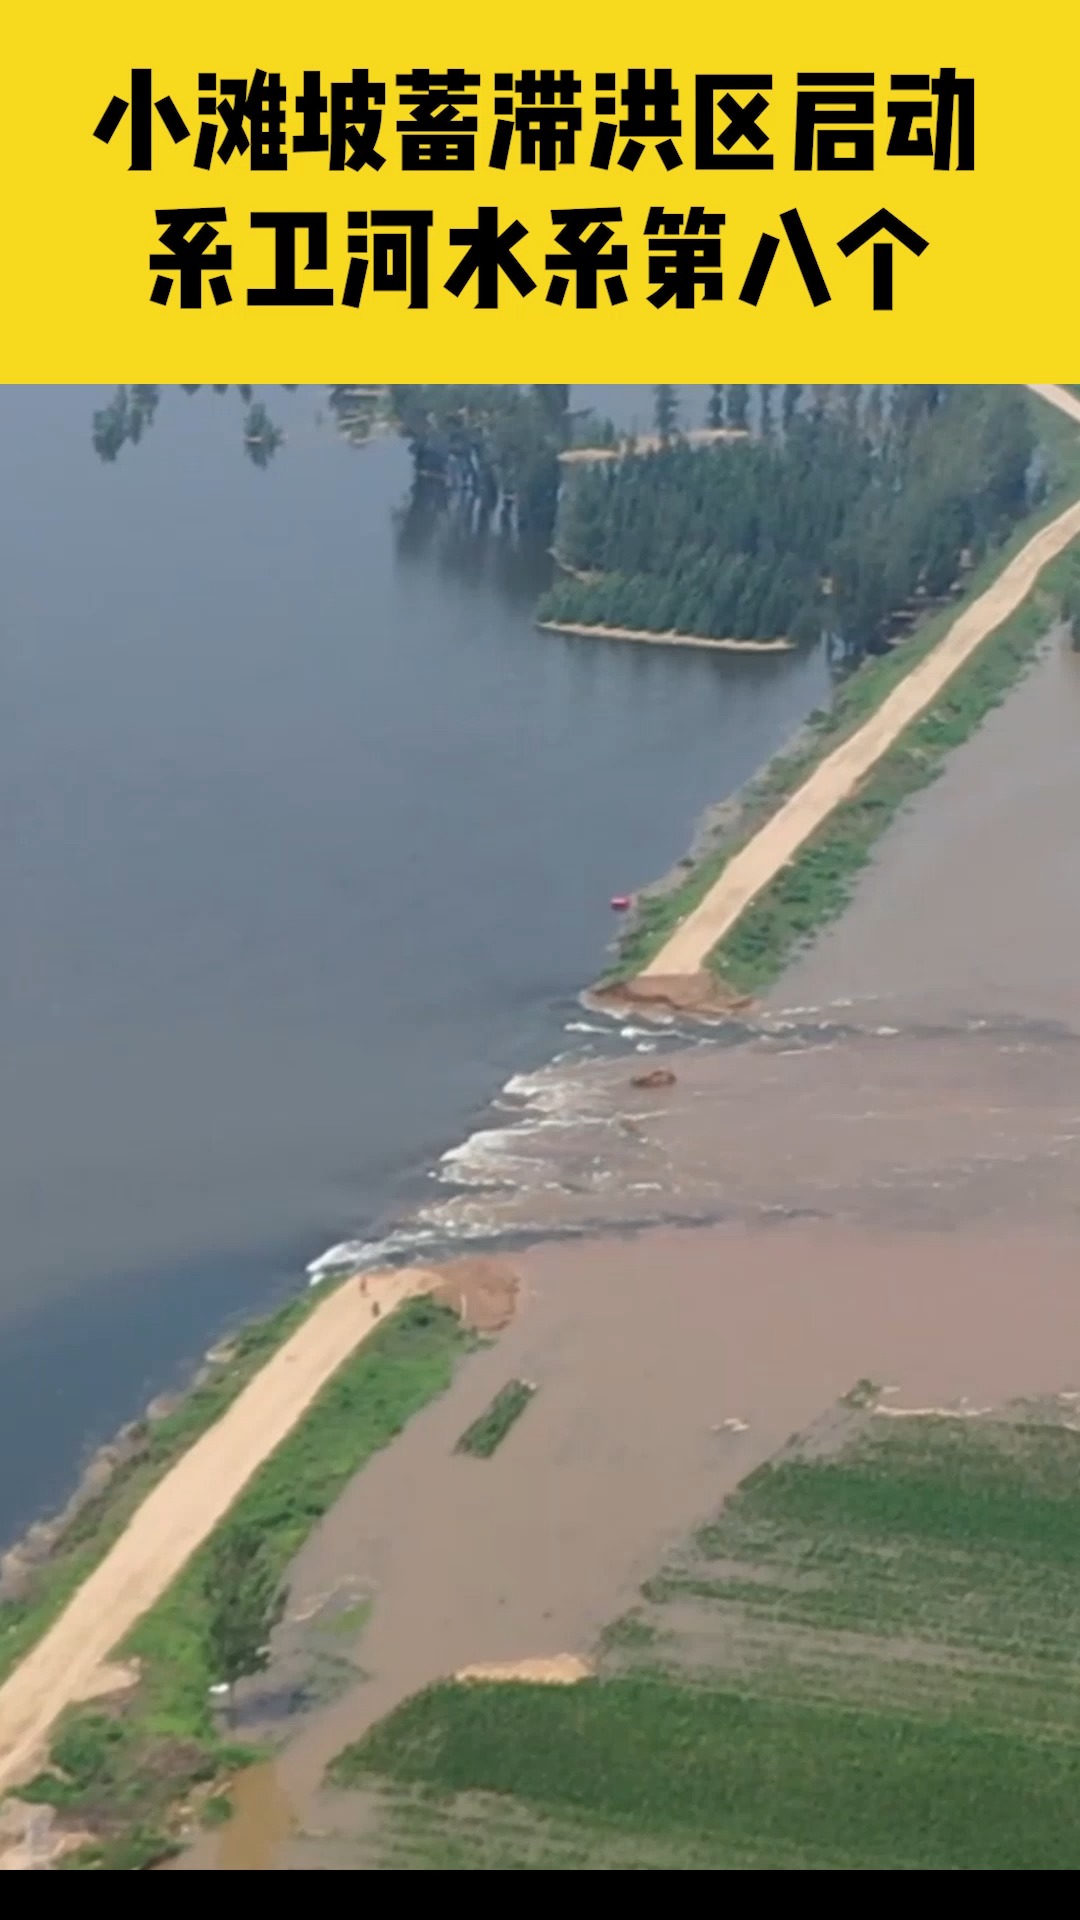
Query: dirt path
column 180, row 1513
column 837, row 777
column 189, row 1502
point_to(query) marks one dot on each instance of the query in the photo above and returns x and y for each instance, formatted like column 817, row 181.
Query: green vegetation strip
column 491, row 1429
column 868, row 1662
column 817, row 884
column 159, row 1444
column 122, row 1771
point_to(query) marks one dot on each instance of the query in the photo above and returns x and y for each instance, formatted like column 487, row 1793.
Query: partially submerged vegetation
column 495, row 448
column 867, row 1662
column 125, row 1771
column 493, row 1425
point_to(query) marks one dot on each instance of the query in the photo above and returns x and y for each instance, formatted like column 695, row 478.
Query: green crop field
column 869, row 1660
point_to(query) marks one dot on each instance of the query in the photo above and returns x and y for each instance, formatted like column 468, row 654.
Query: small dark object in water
column 656, row 1077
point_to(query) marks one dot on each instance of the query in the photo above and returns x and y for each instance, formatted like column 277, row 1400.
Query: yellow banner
column 262, row 192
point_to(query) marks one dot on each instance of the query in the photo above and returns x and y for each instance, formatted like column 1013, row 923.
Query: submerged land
column 769, row 1515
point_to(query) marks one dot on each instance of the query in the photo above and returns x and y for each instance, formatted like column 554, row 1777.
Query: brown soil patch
column 561, row 1670
column 482, row 1292
column 113, row 1676
column 701, row 993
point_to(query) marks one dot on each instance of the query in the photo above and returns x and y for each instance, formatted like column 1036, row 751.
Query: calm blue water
column 308, row 843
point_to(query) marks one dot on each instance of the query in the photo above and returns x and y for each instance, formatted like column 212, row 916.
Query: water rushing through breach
column 314, row 841
column 920, row 1064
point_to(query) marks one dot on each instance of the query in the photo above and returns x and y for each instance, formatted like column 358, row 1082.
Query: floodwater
column 308, row 843
column 878, row 1180
column 921, row 1060
column 668, row 1365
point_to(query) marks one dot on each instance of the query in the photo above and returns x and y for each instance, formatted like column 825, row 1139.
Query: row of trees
column 843, row 504
column 772, row 410
column 830, row 520
column 497, row 446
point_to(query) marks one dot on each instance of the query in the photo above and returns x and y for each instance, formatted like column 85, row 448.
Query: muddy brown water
column 881, row 1179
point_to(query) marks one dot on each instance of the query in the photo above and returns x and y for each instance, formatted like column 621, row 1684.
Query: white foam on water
column 357, row 1256
column 508, row 1158
column 337, row 1259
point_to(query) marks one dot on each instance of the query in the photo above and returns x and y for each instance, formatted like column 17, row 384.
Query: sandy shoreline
column 652, row 443
column 670, row 639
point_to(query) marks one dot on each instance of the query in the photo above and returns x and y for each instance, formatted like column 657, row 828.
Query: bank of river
column 289, row 782
column 876, row 1181
column 887, row 1127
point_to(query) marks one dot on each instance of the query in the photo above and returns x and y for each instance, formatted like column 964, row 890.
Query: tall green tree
column 665, row 411
column 738, row 407
column 737, row 538
column 244, row 1603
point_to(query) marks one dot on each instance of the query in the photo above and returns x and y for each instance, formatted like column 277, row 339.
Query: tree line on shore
column 828, row 510
column 842, row 508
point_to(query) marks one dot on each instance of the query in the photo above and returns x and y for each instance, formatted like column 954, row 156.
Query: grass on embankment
column 493, row 1425
column 101, row 1520
column 868, row 1662
column 817, row 884
column 122, row 1771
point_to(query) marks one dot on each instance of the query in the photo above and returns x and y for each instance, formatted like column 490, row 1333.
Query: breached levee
column 701, row 993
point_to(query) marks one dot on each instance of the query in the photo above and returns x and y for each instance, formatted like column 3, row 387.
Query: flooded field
column 878, row 1179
